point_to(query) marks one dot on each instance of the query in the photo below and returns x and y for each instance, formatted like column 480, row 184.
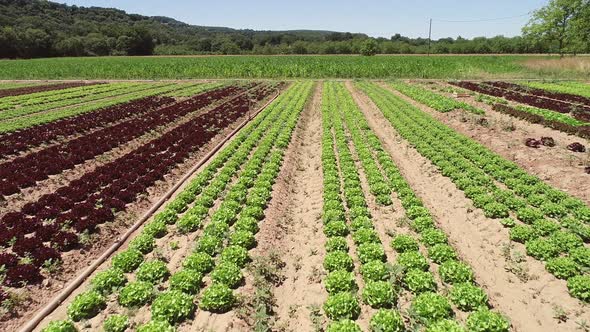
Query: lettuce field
column 293, row 205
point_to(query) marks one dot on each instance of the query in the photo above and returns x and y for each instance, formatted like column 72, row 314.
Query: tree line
column 37, row 28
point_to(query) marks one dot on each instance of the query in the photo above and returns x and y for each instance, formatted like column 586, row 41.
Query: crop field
column 283, row 67
column 294, row 205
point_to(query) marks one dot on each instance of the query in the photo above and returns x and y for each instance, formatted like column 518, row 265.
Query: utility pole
column 429, row 36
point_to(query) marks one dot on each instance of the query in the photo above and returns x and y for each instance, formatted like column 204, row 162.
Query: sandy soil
column 76, row 260
column 293, row 227
column 531, row 302
column 557, row 166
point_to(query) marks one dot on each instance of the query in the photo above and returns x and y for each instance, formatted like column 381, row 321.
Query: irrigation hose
column 72, row 286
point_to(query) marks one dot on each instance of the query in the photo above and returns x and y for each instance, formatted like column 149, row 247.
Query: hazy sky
column 375, row 18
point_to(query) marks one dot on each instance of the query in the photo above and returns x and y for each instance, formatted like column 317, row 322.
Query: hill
column 37, row 28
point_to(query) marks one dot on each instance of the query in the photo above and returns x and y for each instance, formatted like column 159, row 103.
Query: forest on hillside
column 37, row 28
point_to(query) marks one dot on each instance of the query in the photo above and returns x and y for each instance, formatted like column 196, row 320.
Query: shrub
column 116, row 323
column 136, row 294
column 431, row 237
column 340, row 281
column 86, row 305
column 107, row 281
column 345, row 325
column 468, row 297
column 445, row 325
column 172, row 306
column 441, row 253
column 217, row 298
column 375, row 271
column 370, row 252
column 485, row 320
column 153, row 271
column 342, row 306
column 579, row 287
column 60, row 326
column 413, row 260
column 417, row 281
column 403, row 243
column 236, row 255
column 156, row 326
column 186, row 281
column 243, row 239
column 338, row 260
column 453, row 272
column 541, row 249
column 336, row 228
column 379, row 294
column 336, row 243
column 227, row 273
column 387, row 321
column 430, row 307
column 128, row 260
column 369, row 48
column 200, row 262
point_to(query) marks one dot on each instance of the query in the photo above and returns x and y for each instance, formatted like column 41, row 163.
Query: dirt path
column 530, row 301
column 505, row 135
column 293, row 226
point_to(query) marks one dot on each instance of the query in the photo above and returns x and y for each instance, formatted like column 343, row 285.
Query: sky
column 376, row 18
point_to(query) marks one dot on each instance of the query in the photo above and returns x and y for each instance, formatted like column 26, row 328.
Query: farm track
column 480, row 241
column 35, row 296
column 31, row 194
column 296, row 213
column 557, row 166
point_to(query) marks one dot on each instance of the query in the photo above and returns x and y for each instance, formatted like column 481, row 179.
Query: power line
column 483, row 20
